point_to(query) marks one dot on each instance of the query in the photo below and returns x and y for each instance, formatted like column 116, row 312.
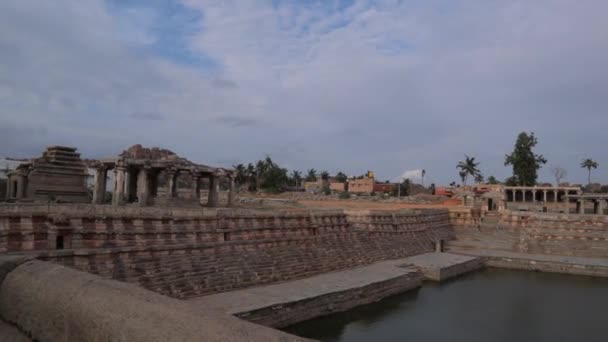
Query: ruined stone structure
column 597, row 200
column 59, row 175
column 137, row 172
column 538, row 195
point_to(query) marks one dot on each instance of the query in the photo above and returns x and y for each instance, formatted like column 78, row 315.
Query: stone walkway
column 297, row 290
column 442, row 266
column 540, row 262
column 280, row 294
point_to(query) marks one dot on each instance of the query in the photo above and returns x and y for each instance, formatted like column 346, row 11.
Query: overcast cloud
column 383, row 85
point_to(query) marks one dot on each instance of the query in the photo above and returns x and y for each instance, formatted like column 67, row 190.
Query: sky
column 350, row 85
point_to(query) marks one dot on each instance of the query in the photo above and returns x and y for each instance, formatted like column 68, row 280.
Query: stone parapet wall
column 186, row 253
column 539, row 233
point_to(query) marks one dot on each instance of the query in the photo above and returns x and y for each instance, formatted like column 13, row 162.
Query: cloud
column 340, row 85
column 146, row 116
column 235, row 121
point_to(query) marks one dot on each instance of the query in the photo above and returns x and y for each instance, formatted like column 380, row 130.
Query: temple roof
column 160, row 158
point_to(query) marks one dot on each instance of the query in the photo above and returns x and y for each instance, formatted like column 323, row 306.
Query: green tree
column 296, row 178
column 402, row 189
column 589, row 164
column 324, row 175
column 468, row 167
column 524, row 161
column 311, row 175
column 463, row 177
column 240, row 174
column 341, row 177
column 493, row 180
column 479, row 179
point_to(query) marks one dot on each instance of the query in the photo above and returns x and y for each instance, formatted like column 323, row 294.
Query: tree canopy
column 524, row 161
column 589, row 164
column 468, row 167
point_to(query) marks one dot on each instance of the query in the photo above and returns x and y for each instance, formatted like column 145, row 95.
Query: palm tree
column 468, row 167
column 341, row 177
column 463, row 177
column 423, row 173
column 296, row 176
column 324, row 175
column 589, row 164
column 311, row 176
column 241, row 174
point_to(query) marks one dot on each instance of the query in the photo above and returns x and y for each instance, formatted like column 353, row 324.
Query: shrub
column 344, row 195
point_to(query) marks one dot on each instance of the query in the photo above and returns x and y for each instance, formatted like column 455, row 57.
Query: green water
column 490, row 305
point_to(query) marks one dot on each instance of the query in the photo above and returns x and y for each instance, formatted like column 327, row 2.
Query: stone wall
column 534, row 233
column 185, row 253
column 50, row 302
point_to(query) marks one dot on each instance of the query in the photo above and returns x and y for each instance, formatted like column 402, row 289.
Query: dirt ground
column 345, row 204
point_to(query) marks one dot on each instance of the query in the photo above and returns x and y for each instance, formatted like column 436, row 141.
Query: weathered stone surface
column 56, row 303
column 283, row 304
column 443, row 266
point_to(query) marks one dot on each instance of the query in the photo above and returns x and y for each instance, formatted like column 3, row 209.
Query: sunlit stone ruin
column 137, row 177
column 155, row 247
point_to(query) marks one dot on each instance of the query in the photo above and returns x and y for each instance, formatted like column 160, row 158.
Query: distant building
column 384, row 188
column 363, row 185
column 337, row 186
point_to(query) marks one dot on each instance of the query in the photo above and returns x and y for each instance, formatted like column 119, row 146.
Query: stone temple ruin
column 59, row 175
column 137, row 173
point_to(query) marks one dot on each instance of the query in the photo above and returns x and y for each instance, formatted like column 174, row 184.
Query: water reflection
column 490, row 305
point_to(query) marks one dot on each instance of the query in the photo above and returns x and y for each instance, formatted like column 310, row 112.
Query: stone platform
column 442, row 266
column 540, row 262
column 283, row 304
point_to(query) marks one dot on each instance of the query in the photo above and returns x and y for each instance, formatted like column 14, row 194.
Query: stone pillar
column 143, row 187
column 545, row 196
column 119, row 185
column 100, row 185
column 598, row 207
column 20, row 186
column 555, row 193
column 9, row 188
column 581, row 206
column 172, row 183
column 214, row 191
column 231, row 193
column 196, row 187
column 534, row 196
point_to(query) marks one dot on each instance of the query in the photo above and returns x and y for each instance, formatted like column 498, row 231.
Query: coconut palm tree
column 468, row 167
column 341, row 177
column 296, row 177
column 324, row 175
column 423, row 173
column 589, row 164
column 311, row 175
